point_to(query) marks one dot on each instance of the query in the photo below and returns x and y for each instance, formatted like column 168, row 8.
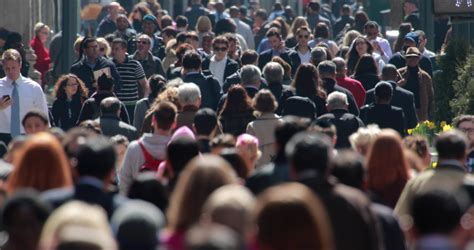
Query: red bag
column 151, row 164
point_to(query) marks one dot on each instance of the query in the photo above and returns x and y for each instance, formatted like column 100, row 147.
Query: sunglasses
column 304, row 36
column 142, row 42
column 220, row 48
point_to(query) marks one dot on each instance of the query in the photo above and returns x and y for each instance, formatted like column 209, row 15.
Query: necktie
column 15, row 109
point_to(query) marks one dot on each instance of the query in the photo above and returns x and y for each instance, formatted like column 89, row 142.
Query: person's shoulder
column 127, row 126
column 30, row 82
column 231, row 61
column 396, row 109
column 266, row 52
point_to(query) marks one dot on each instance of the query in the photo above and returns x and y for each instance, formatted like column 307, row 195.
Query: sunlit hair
column 11, row 54
column 308, row 228
column 306, row 81
column 41, row 163
column 198, row 180
column 39, row 26
column 76, row 216
column 387, row 168
column 299, row 21
column 247, row 148
column 237, row 101
column 61, row 84
column 103, row 43
column 203, row 24
column 361, row 140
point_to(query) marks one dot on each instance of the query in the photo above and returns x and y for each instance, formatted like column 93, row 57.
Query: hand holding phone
column 5, row 102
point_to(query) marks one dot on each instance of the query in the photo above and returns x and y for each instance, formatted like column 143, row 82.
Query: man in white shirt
column 219, row 59
column 381, row 45
column 242, row 28
column 422, row 46
column 19, row 95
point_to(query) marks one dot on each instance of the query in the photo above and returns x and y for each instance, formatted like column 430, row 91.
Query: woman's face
column 303, row 37
column 34, row 125
column 361, row 46
column 71, row 87
column 43, row 34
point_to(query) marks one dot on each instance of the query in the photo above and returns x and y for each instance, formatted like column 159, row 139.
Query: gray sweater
column 134, row 158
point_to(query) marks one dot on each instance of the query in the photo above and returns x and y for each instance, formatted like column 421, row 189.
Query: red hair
column 40, row 164
column 387, row 167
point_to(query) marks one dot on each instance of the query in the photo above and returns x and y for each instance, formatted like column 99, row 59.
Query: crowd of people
column 231, row 128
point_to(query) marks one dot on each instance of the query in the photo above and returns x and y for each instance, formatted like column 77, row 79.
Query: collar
column 126, row 60
column 251, row 87
column 190, row 108
column 339, row 111
column 92, row 181
column 18, row 80
column 451, row 164
column 193, row 73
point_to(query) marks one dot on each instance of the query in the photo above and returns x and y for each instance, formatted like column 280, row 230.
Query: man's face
column 118, row 51
column 275, row 42
column 412, row 61
column 220, row 50
column 409, row 8
column 143, row 44
column 371, row 33
column 122, row 24
column 148, row 27
column 407, row 43
column 12, row 69
column 92, row 50
column 468, row 128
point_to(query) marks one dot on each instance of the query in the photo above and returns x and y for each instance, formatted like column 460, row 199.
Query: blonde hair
column 361, row 140
column 39, row 26
column 11, row 54
column 102, row 42
column 198, row 180
column 78, row 215
column 247, row 148
column 77, row 44
column 349, row 37
column 203, row 24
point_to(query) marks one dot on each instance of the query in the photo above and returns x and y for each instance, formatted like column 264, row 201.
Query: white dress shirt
column 385, row 46
column 246, row 32
column 217, row 69
column 31, row 98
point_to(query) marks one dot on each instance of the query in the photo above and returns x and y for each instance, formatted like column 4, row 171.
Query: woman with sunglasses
column 70, row 93
column 301, row 53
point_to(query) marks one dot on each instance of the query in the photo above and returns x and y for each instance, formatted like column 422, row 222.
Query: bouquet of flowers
column 429, row 129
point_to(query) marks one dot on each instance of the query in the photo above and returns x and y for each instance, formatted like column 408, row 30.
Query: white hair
column 337, row 100
column 188, row 94
column 250, row 75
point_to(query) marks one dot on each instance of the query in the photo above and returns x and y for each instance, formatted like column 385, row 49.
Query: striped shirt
column 130, row 72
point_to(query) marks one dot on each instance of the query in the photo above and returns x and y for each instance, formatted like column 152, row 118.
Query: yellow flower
column 431, row 125
column 434, row 164
column 443, row 123
column 417, row 125
column 410, row 131
column 447, row 127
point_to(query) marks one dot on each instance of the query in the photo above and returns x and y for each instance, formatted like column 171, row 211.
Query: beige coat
column 264, row 129
column 425, row 90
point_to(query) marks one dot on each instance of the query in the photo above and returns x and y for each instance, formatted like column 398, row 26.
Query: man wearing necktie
column 19, row 95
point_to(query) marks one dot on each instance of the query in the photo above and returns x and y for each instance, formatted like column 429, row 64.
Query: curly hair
column 61, row 84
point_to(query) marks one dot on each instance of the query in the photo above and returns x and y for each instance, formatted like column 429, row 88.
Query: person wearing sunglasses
column 219, row 64
column 150, row 63
column 301, row 53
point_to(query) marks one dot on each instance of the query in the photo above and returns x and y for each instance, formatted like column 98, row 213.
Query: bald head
column 110, row 105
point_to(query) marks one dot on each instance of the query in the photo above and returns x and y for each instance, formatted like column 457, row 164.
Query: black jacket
column 209, row 86
column 231, row 66
column 111, row 125
column 266, row 56
column 65, row 113
column 295, row 59
column 90, row 109
column 401, row 98
column 346, row 124
column 385, row 116
column 330, row 85
column 368, row 80
column 152, row 65
column 86, row 74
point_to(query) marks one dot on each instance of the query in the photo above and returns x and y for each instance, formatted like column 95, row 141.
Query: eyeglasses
column 304, row 36
column 220, row 49
column 142, row 42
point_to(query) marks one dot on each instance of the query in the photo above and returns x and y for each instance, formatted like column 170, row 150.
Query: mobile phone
column 6, row 97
